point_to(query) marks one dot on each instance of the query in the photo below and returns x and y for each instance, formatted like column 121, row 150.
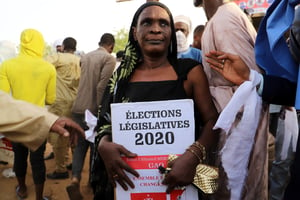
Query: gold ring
column 223, row 61
column 116, row 176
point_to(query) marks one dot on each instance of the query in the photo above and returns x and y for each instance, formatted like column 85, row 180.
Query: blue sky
column 84, row 20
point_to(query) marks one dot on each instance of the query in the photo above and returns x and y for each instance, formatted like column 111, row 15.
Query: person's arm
column 275, row 90
column 26, row 123
column 184, row 167
column 52, row 58
column 204, row 103
column 109, row 151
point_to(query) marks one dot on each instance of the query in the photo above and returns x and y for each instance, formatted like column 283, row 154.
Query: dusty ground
column 55, row 189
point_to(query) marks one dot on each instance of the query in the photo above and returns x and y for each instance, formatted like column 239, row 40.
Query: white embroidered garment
column 290, row 132
column 237, row 149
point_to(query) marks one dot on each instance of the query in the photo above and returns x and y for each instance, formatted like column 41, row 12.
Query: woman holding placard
column 150, row 71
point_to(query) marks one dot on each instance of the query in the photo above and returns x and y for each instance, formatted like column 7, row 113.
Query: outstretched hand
column 230, row 66
column 67, row 127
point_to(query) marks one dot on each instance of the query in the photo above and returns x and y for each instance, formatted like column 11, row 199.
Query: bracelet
column 195, row 154
column 201, row 148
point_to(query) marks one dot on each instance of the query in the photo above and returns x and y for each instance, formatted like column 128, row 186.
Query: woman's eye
column 164, row 24
column 145, row 24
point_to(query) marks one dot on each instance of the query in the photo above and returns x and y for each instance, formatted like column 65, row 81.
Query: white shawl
column 237, row 149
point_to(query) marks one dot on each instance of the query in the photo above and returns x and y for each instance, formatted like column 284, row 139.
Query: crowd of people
column 232, row 72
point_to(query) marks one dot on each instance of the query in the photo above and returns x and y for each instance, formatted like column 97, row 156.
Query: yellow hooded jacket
column 28, row 76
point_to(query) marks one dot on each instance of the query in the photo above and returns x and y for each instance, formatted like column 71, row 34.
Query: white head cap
column 57, row 42
column 184, row 19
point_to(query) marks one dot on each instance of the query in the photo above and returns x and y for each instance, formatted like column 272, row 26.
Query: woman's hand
column 182, row 172
column 232, row 67
column 111, row 154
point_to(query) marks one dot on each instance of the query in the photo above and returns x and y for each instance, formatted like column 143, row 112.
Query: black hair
column 69, row 44
column 120, row 54
column 198, row 3
column 107, row 39
column 199, row 29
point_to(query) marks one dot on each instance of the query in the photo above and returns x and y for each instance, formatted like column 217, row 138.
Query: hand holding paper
column 115, row 166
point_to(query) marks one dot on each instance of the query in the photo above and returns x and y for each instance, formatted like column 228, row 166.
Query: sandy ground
column 55, row 189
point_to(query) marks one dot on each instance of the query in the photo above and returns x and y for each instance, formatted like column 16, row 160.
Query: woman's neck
column 154, row 63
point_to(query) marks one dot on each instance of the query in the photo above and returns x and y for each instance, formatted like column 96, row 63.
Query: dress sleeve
column 21, row 121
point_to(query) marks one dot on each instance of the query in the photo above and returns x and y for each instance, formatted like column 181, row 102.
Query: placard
column 153, row 130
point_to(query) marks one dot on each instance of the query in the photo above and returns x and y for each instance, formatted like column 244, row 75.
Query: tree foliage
column 48, row 50
column 121, row 38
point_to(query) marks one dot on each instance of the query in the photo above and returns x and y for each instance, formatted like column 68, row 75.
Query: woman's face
column 153, row 31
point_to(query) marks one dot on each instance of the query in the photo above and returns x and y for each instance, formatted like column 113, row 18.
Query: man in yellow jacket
column 30, row 78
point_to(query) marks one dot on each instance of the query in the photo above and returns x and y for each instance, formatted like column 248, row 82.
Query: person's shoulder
column 106, row 55
column 89, row 55
column 7, row 62
column 47, row 65
column 73, row 56
column 186, row 64
column 228, row 11
column 231, row 6
column 95, row 52
column 194, row 50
